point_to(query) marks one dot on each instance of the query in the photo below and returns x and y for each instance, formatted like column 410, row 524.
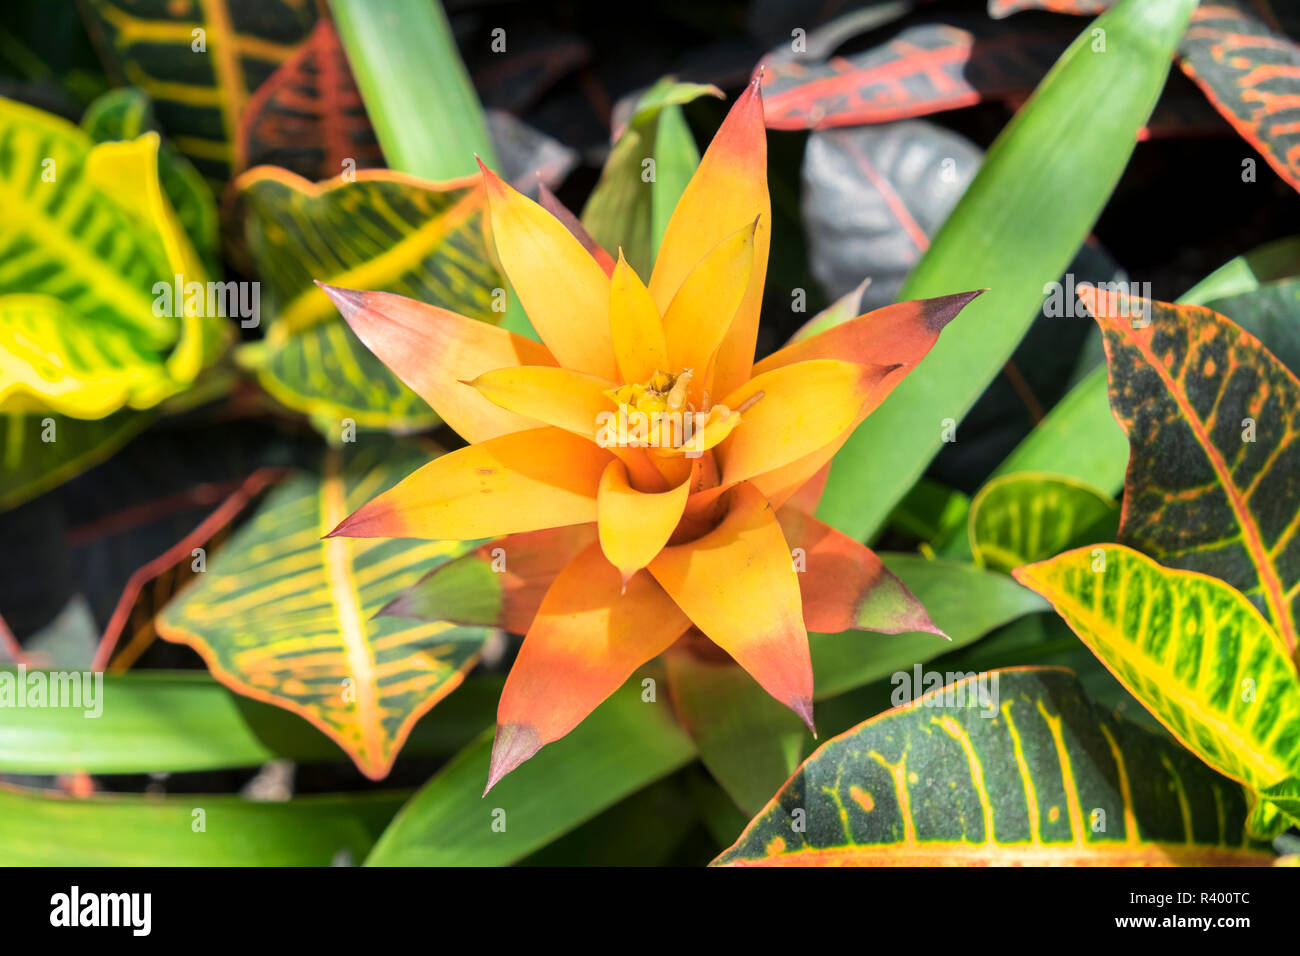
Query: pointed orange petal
column 588, row 638
column 561, row 397
column 431, row 349
column 525, row 481
column 739, row 587
column 562, row 288
column 552, row 204
column 899, row 334
column 804, row 407
column 728, row 191
column 844, row 585
column 701, row 312
column 635, row 326
column 635, row 526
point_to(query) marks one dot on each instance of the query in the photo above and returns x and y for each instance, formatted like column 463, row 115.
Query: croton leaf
column 126, row 113
column 43, row 450
column 200, row 62
column 1213, row 420
column 83, row 333
column 1004, row 8
column 1027, row 772
column 926, row 68
column 1240, row 54
column 308, row 116
column 285, row 617
column 1194, row 651
column 628, row 209
column 1271, row 313
column 1243, row 56
column 1030, row 516
column 384, row 231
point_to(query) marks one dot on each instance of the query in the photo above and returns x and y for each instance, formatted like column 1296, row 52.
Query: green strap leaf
column 632, row 202
column 385, row 232
column 286, row 616
column 628, row 742
column 417, row 92
column 1032, row 774
column 181, row 721
column 966, row 602
column 1041, row 170
column 40, row 829
column 1194, row 651
column 750, row 742
column 1030, row 516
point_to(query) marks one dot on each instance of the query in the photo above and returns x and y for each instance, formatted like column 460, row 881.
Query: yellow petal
column 739, row 586
column 432, row 350
column 804, row 407
column 702, row 310
column 524, row 481
column 562, row 288
column 635, row 326
column 727, row 192
column 557, row 396
column 635, row 526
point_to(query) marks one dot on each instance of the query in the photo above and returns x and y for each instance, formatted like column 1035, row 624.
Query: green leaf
column 187, row 59
column 1051, row 779
column 1030, row 516
column 750, row 742
column 1079, row 437
column 966, row 602
column 1213, row 422
column 81, row 332
column 415, row 87
column 624, row 745
column 383, row 232
column 1194, row 651
column 1271, row 313
column 125, row 114
column 180, row 721
column 625, row 210
column 31, row 465
column 1033, row 202
column 930, row 510
column 286, row 616
column 39, row 829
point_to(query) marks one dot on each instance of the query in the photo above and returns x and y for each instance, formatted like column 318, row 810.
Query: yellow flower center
column 665, row 392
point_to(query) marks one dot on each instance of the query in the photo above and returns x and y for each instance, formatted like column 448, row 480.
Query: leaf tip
column 514, row 744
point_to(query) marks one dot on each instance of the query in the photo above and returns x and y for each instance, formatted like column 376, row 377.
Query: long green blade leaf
column 1043, row 185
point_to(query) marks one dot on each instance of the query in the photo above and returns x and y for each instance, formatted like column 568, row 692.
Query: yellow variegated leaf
column 51, row 360
column 1028, row 516
column 383, row 231
column 1192, row 649
column 1011, row 767
column 86, row 239
column 286, row 616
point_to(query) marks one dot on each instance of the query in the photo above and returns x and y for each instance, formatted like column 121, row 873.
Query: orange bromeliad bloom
column 682, row 475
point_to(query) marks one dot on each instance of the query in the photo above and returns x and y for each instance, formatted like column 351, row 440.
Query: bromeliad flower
column 680, row 474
